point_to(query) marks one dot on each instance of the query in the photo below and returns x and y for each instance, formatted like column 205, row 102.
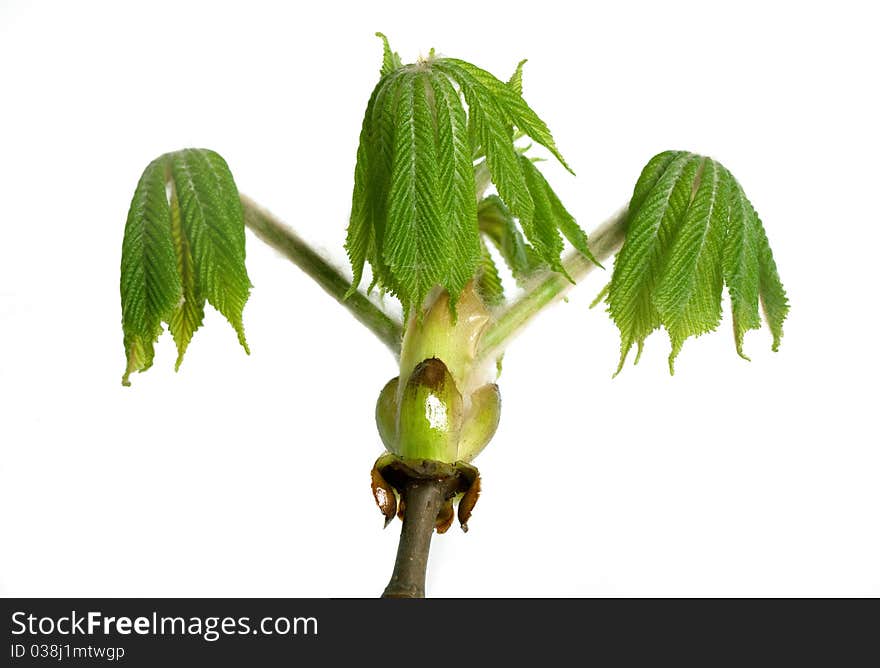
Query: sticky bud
column 443, row 405
column 480, row 423
column 386, row 415
column 429, row 414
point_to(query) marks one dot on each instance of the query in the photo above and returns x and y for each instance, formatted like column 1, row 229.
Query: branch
column 422, row 500
column 335, row 283
column 544, row 290
column 550, row 286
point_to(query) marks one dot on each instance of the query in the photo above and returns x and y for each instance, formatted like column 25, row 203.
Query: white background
column 249, row 475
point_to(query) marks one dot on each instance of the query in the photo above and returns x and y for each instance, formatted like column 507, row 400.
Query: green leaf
column 359, row 235
column 750, row 272
column 688, row 296
column 190, row 311
column 183, row 245
column 497, row 223
column 640, row 260
column 366, row 231
column 551, row 215
column 515, row 109
column 489, row 284
column 214, row 223
column 490, row 125
column 383, row 134
column 773, row 298
column 390, row 59
column 690, row 230
column 515, row 81
column 542, row 229
column 149, row 283
column 417, row 246
column 457, row 201
column 656, row 167
column 414, row 201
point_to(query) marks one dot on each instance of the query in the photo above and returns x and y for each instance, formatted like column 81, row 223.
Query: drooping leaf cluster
column 690, row 231
column 183, row 246
column 415, row 216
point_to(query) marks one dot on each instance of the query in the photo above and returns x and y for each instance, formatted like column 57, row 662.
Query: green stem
column 544, row 289
column 335, row 283
column 550, row 286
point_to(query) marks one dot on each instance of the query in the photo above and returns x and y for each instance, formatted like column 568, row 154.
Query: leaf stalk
column 544, row 289
column 550, row 286
column 276, row 234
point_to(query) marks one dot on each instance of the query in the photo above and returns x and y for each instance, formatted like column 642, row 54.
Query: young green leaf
column 383, row 134
column 190, row 311
column 359, row 235
column 542, row 229
column 417, row 245
column 489, row 284
column 491, row 127
column 515, row 81
column 390, row 59
column 551, row 217
column 414, row 202
column 498, row 225
column 214, row 223
column 691, row 229
column 458, row 204
column 149, row 282
column 510, row 101
column 688, row 296
column 183, row 245
column 773, row 298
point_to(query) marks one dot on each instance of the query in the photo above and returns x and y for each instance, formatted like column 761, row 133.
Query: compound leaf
column 183, row 246
column 690, row 230
column 414, row 214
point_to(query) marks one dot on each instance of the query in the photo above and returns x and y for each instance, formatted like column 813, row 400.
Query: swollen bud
column 430, row 414
column 480, row 423
column 449, row 336
column 386, row 415
column 444, row 406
